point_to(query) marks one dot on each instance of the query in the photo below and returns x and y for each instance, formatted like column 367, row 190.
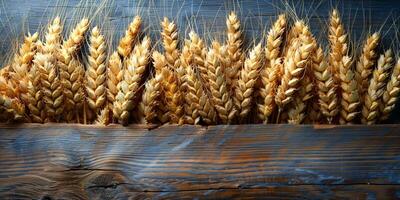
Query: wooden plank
column 243, row 161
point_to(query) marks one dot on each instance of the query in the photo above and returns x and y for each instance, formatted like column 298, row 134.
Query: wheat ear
column 126, row 43
column 47, row 65
column 234, row 45
column 199, row 52
column 96, row 72
column 77, row 36
column 327, row 89
column 350, row 99
column 170, row 40
column 12, row 108
column 129, row 86
column 35, row 94
column 103, row 118
column 114, row 77
column 366, row 62
column 270, row 73
column 370, row 109
column 295, row 62
column 22, row 64
column 151, row 98
column 173, row 96
column 338, row 43
column 194, row 91
column 390, row 95
column 217, row 80
column 160, row 63
column 74, row 89
column 245, row 85
column 296, row 112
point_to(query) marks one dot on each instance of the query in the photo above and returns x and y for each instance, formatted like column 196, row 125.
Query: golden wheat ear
column 391, row 93
column 159, row 63
column 376, row 88
column 114, row 77
column 234, row 44
column 270, row 73
column 350, row 99
column 220, row 94
column 12, row 109
column 338, row 43
column 151, row 98
column 127, row 41
column 326, row 87
column 130, row 85
column 366, row 63
column 170, row 41
column 245, row 85
column 96, row 72
column 21, row 65
column 46, row 63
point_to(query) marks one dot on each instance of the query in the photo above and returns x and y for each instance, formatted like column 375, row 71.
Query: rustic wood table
column 60, row 161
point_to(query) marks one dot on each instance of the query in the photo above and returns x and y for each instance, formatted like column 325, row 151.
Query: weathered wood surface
column 219, row 162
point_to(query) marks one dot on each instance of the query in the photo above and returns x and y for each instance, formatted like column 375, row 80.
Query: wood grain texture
column 59, row 161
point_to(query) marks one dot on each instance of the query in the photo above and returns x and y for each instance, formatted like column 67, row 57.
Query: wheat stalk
column 327, row 89
column 247, row 80
column 151, row 98
column 126, row 43
column 217, row 80
column 96, row 72
column 170, row 41
column 295, row 62
column 129, row 86
column 234, row 45
column 338, row 43
column 366, row 62
column 370, row 110
column 350, row 99
column 46, row 63
column 390, row 95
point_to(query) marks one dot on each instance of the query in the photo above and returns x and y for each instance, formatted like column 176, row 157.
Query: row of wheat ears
column 291, row 80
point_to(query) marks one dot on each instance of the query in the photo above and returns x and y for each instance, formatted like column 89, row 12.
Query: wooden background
column 218, row 162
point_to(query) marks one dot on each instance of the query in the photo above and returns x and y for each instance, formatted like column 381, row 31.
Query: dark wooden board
column 60, row 161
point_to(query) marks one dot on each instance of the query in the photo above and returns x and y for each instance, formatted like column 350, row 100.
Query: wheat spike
column 173, row 96
column 234, row 45
column 366, row 62
column 370, row 110
column 96, row 72
column 22, row 64
column 294, row 67
column 390, row 95
column 217, row 80
column 77, row 36
column 327, row 96
column 129, row 86
column 12, row 108
column 350, row 99
column 126, row 43
column 74, row 90
column 46, row 63
column 296, row 112
column 247, row 80
column 151, row 98
column 270, row 72
column 160, row 63
column 114, row 77
column 170, row 41
column 194, row 91
column 35, row 94
column 338, row 43
column 103, row 118
column 199, row 52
